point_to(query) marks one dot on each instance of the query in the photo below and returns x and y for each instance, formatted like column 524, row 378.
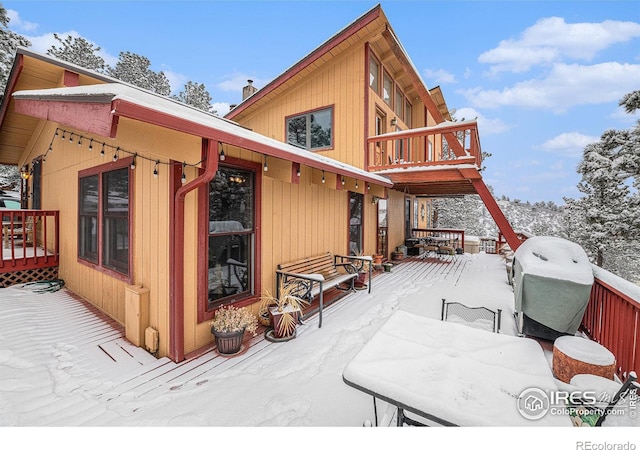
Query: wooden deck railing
column 29, row 239
column 454, row 235
column 612, row 319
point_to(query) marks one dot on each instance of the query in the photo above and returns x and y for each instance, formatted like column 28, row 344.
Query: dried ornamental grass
column 229, row 319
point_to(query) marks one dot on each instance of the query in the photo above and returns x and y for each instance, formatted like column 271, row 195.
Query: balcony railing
column 29, row 239
column 612, row 319
column 423, row 147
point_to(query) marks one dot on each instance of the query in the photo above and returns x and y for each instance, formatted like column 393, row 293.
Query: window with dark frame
column 374, row 74
column 231, row 236
column 104, row 217
column 387, row 89
column 311, row 131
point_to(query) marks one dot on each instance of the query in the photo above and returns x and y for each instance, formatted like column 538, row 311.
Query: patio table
column 452, row 374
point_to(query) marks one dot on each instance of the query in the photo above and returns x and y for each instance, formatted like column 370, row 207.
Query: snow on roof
column 170, row 107
column 554, row 257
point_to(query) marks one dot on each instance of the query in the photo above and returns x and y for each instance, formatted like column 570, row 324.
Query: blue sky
column 543, row 78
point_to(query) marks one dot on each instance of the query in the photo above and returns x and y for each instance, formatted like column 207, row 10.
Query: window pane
column 88, row 219
column 373, row 74
column 115, row 233
column 399, row 105
column 407, row 114
column 355, row 223
column 387, row 89
column 89, row 195
column 231, row 201
column 297, row 131
column 229, row 261
column 321, row 129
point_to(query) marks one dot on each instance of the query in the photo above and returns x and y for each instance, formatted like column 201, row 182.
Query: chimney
column 248, row 90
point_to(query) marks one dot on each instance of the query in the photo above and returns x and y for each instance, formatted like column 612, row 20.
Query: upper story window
column 399, row 109
column 374, row 74
column 105, row 217
column 311, row 131
column 407, row 114
column 387, row 89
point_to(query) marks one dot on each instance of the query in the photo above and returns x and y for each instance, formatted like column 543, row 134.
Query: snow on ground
column 295, row 384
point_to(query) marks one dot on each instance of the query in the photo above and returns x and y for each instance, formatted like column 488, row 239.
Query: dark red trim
column 332, row 107
column 143, row 114
column 99, row 170
column 203, row 241
column 314, row 56
column 71, row 79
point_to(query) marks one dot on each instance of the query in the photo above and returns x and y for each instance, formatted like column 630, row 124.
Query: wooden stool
column 573, row 355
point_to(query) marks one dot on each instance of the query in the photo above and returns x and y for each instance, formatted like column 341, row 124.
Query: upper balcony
column 440, row 160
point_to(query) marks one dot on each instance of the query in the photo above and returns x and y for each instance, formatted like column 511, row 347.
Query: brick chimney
column 248, row 90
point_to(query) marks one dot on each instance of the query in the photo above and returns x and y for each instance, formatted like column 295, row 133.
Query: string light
column 71, row 137
column 155, row 169
column 91, row 144
column 80, row 141
column 342, row 181
column 102, row 151
column 183, row 178
column 133, row 162
column 356, row 184
column 62, row 137
column 298, row 171
column 222, row 156
column 265, row 168
column 115, row 155
column 323, row 176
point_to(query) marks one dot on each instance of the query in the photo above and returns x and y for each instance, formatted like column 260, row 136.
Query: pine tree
column 134, row 69
column 196, row 95
column 78, row 51
column 9, row 42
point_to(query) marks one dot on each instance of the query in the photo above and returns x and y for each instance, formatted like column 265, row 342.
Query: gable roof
column 113, row 99
column 370, row 25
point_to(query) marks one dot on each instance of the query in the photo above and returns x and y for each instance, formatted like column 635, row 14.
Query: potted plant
column 228, row 327
column 284, row 310
column 377, row 260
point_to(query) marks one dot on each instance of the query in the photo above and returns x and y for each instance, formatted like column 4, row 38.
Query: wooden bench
column 314, row 275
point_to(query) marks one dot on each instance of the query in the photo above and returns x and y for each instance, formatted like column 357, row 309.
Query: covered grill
column 552, row 283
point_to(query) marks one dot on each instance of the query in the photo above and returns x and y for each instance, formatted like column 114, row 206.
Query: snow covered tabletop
column 459, row 374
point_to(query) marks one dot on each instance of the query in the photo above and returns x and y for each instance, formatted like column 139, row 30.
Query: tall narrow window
column 356, row 201
column 36, row 184
column 387, row 89
column 374, row 74
column 407, row 114
column 231, row 231
column 311, row 131
column 399, row 106
column 104, row 217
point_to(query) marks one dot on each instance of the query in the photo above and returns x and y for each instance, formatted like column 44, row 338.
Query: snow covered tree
column 196, row 95
column 77, row 51
column 9, row 177
column 134, row 69
column 9, row 42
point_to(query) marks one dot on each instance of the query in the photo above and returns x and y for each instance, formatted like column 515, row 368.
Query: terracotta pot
column 228, row 343
column 377, row 259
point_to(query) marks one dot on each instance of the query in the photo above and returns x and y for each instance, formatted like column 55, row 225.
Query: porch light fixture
column 24, row 173
column 265, row 167
column 374, row 200
column 394, row 122
column 183, row 178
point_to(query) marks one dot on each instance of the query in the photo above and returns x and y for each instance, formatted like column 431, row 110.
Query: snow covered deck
column 62, row 363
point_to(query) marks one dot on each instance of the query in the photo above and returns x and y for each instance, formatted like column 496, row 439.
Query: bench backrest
column 322, row 264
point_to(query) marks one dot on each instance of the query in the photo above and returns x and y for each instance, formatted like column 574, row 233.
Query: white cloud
column 17, row 23
column 567, row 85
column 221, row 108
column 568, row 144
column 176, row 80
column 552, row 39
column 440, row 76
column 42, row 43
column 485, row 125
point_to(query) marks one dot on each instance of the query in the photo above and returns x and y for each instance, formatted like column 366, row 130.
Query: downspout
column 176, row 299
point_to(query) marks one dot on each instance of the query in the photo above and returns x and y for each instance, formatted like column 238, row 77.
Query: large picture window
column 231, row 235
column 311, row 131
column 104, row 217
